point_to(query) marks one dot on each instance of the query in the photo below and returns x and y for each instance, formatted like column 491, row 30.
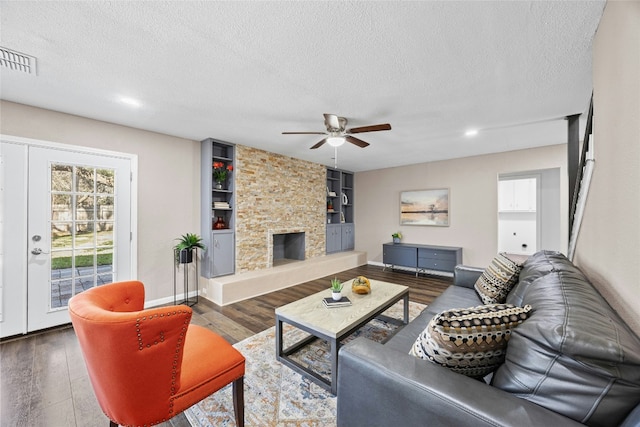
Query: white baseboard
column 168, row 300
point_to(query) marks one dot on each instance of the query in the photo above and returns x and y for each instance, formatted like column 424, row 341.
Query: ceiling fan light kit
column 337, row 132
column 335, row 141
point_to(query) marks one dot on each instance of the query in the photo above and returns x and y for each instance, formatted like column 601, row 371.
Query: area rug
column 275, row 395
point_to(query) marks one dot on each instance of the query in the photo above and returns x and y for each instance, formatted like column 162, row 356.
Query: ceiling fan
column 337, row 132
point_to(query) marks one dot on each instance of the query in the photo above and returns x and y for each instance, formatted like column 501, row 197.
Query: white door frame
column 22, row 281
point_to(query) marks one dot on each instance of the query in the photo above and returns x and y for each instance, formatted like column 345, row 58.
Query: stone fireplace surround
column 276, row 194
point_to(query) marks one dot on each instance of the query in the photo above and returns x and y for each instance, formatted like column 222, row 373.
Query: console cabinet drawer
column 439, row 259
column 429, row 254
column 435, row 264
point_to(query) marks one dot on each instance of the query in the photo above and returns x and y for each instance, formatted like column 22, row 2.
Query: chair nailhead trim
column 179, row 344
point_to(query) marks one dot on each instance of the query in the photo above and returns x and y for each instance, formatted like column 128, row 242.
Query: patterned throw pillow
column 497, row 279
column 470, row 341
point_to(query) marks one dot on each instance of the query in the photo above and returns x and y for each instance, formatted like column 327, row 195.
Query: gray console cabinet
column 421, row 257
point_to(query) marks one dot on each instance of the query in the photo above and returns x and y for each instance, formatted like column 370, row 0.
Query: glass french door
column 79, row 229
column 77, row 232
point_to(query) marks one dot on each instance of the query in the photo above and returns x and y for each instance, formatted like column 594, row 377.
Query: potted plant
column 185, row 246
column 396, row 237
column 220, row 171
column 336, row 289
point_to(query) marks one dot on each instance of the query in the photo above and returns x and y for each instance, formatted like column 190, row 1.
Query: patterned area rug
column 276, row 396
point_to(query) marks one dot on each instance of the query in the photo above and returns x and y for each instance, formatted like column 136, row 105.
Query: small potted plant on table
column 396, row 237
column 336, row 289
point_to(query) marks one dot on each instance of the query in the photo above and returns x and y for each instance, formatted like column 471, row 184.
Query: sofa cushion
column 497, row 279
column 574, row 355
column 453, row 296
column 536, row 266
column 470, row 341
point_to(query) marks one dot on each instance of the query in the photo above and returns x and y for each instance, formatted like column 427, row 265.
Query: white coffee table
column 334, row 324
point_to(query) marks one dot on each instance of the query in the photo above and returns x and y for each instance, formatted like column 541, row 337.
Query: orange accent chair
column 147, row 366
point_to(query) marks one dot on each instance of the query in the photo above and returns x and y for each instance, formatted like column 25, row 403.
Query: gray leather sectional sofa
column 572, row 362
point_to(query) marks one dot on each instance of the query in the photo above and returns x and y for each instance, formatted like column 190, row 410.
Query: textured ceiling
column 244, row 72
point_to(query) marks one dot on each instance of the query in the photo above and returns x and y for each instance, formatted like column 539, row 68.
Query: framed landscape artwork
column 425, row 207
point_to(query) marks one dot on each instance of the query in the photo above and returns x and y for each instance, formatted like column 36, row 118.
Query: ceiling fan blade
column 372, row 128
column 360, row 143
column 304, row 133
column 332, row 121
column 319, row 144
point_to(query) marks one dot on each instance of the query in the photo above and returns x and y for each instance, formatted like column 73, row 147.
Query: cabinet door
column 223, row 253
column 400, row 255
column 505, row 195
column 348, row 237
column 525, row 194
column 334, row 238
column 517, row 195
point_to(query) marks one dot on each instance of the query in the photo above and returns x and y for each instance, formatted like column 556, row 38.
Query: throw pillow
column 470, row 341
column 497, row 279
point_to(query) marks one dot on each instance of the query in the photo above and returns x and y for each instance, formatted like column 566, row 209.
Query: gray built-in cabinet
column 340, row 197
column 217, row 203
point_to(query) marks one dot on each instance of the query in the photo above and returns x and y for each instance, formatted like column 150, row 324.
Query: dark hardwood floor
column 43, row 379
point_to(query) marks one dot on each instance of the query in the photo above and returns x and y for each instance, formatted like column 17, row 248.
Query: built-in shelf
column 219, row 257
column 340, row 228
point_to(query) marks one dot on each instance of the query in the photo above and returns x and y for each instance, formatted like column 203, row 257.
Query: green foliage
column 336, row 285
column 81, row 261
column 188, row 241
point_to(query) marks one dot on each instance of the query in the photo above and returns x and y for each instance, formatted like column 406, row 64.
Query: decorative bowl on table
column 360, row 285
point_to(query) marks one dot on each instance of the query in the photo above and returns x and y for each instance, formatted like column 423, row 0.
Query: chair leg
column 238, row 401
column 112, row 424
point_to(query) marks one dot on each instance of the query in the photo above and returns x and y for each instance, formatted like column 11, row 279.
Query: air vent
column 17, row 61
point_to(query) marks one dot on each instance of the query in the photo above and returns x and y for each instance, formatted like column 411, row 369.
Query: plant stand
column 187, row 300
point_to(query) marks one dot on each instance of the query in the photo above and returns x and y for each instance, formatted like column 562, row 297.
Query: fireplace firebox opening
column 288, row 247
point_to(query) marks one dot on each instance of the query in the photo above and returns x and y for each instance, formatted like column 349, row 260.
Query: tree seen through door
column 82, row 230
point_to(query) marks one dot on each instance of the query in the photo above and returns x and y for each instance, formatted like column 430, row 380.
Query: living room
column 607, row 248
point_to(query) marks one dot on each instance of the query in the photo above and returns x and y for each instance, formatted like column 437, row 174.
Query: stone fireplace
column 286, row 247
column 276, row 195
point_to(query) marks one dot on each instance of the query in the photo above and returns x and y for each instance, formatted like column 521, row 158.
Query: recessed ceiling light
column 130, row 101
column 471, row 132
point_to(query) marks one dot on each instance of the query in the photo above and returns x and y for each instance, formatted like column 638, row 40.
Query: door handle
column 38, row 251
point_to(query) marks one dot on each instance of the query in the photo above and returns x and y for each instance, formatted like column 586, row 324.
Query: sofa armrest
column 465, row 275
column 379, row 386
